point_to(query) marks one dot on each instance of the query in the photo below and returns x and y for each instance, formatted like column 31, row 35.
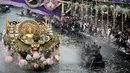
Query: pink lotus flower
column 8, row 59
column 42, row 58
column 36, row 65
column 28, row 57
column 49, row 61
column 45, row 62
column 36, row 55
column 57, row 57
column 22, row 63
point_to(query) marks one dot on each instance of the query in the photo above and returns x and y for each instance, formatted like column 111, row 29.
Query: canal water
column 70, row 50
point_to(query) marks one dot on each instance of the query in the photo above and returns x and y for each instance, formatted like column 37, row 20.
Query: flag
column 38, row 9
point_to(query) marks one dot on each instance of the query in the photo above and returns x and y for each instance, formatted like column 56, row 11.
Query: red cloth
column 89, row 26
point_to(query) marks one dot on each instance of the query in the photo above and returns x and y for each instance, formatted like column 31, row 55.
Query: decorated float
column 31, row 45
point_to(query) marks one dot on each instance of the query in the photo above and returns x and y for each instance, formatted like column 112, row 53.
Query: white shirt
column 112, row 37
column 87, row 24
column 84, row 26
column 128, row 41
column 108, row 31
column 119, row 32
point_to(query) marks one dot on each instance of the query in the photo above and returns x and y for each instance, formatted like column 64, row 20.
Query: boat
column 31, row 46
column 95, row 61
column 93, row 58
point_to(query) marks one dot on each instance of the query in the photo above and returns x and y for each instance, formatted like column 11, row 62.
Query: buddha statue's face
column 36, row 39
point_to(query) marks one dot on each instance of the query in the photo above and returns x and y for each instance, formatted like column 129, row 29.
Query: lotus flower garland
column 35, row 60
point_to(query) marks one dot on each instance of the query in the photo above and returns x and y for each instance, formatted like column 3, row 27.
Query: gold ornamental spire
column 7, row 24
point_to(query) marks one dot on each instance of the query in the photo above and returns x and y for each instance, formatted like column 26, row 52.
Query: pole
column 62, row 8
column 102, row 19
column 86, row 12
column 102, row 16
column 91, row 12
column 71, row 7
column 96, row 14
column 114, row 16
column 122, row 21
column 107, row 18
column 82, row 11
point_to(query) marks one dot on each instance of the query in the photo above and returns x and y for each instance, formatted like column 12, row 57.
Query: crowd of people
column 72, row 24
column 122, row 39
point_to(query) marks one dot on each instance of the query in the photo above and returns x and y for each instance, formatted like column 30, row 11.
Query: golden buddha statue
column 35, row 47
column 29, row 30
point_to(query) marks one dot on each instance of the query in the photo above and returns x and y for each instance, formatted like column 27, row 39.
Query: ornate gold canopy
column 29, row 27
